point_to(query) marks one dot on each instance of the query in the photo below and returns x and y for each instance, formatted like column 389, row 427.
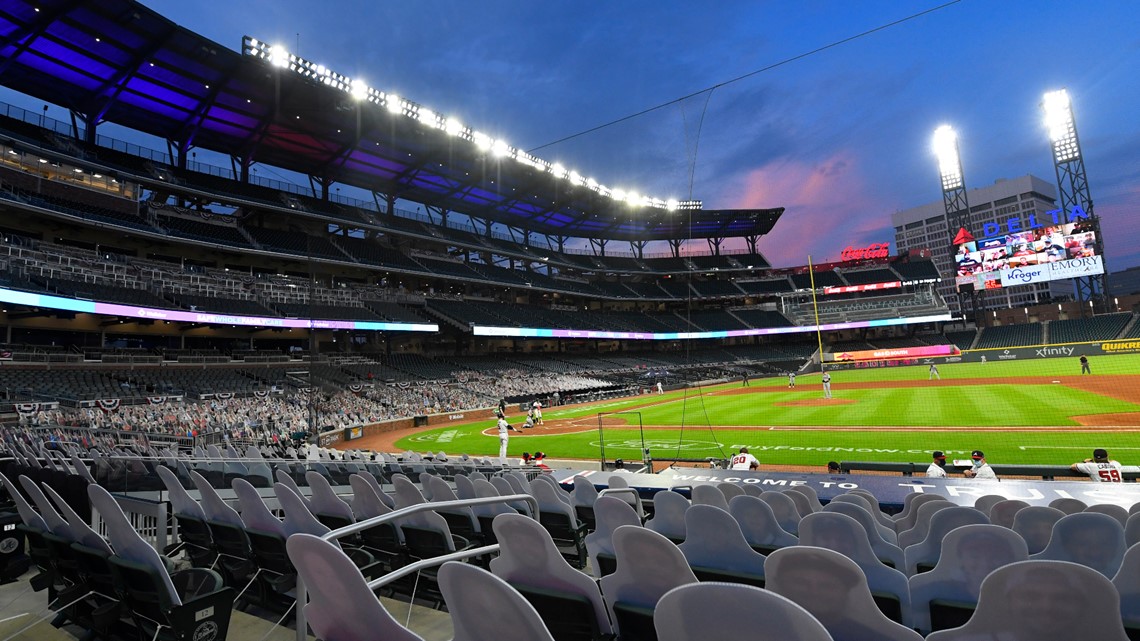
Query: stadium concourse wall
column 991, row 354
column 348, row 434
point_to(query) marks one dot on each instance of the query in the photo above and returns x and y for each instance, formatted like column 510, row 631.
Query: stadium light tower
column 955, row 201
column 1073, row 185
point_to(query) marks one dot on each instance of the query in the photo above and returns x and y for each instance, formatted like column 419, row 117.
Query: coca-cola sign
column 874, row 250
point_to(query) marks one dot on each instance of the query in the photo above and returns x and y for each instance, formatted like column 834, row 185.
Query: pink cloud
column 828, row 207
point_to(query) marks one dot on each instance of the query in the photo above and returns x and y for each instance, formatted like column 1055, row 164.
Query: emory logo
column 1046, row 352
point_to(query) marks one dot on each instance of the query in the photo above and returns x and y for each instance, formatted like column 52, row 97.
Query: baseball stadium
column 211, row 377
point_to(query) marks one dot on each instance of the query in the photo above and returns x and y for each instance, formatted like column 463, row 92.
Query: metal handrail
column 360, row 526
column 625, row 490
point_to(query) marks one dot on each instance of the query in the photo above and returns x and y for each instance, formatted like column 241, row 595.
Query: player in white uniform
column 937, row 469
column 1100, row 467
column 503, row 437
column 537, row 407
column 827, row 385
column 791, row 380
column 660, row 388
column 981, row 469
column 744, row 461
column 933, row 373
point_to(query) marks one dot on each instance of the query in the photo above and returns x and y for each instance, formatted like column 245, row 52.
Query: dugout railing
column 1045, row 472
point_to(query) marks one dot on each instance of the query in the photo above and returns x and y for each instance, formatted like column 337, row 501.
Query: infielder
column 791, row 380
column 827, row 385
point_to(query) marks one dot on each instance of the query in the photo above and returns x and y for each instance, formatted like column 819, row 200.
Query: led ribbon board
column 533, row 332
column 924, row 351
column 206, row 318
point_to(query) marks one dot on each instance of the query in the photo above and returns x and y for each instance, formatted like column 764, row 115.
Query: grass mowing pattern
column 941, row 414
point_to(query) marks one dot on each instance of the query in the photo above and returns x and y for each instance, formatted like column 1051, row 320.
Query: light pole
column 956, row 205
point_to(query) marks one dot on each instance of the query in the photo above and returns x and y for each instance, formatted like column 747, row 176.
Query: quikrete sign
column 1016, row 225
column 874, row 250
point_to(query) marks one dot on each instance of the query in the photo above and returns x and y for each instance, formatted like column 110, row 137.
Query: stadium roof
column 118, row 61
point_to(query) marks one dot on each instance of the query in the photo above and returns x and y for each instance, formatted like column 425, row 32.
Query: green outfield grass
column 940, row 413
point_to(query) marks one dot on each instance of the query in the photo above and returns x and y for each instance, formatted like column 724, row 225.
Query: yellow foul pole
column 815, row 308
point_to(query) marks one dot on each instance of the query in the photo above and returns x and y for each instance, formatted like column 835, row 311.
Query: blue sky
column 841, row 138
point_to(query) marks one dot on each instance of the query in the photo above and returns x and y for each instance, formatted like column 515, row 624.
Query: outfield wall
column 1036, row 352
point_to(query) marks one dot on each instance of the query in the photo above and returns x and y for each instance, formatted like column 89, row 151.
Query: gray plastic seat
column 969, row 554
column 1042, row 601
column 730, row 490
column 886, row 532
column 905, row 520
column 927, row 551
column 125, row 540
column 1132, row 530
column 922, row 523
column 610, row 513
column 298, row 518
column 1035, row 525
column 733, row 611
column 845, row 535
column 584, row 492
column 1003, row 513
column 803, row 505
column 484, row 607
column 715, row 544
column 181, row 503
column 884, row 550
column 56, row 524
column 255, row 514
column 709, row 495
column 648, row 566
column 324, row 501
column 528, row 557
column 987, row 502
column 669, row 515
column 834, row 590
column 784, row 509
column 340, row 607
column 1093, row 540
column 1115, row 511
column 1127, row 582
column 81, row 532
column 1069, row 505
column 758, row 523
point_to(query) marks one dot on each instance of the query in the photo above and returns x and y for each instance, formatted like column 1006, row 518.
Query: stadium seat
column 471, row 593
column 1093, row 540
column 1003, row 512
column 506, row 489
column 905, row 520
column 290, row 483
column 669, row 515
column 340, row 607
column 649, row 565
column 1035, row 525
column 922, row 523
column 1042, row 601
column 460, row 520
column 885, row 526
column 716, row 549
column 329, row 508
column 834, row 590
column 1127, row 582
column 1068, row 505
column 583, row 501
column 812, row 497
column 885, row 551
column 803, row 505
column 1115, row 511
column 487, row 513
column 690, row 612
column 33, row 528
column 876, row 510
column 568, row 601
column 235, row 553
column 923, row 556
column 987, row 502
column 847, row 536
column 784, row 509
column 730, row 490
column 1132, row 531
column 177, row 607
column 560, row 520
column 463, row 487
column 709, row 495
column 611, row 513
column 946, row 596
column 759, row 525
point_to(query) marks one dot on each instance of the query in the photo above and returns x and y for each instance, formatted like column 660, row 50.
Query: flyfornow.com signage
column 1073, row 268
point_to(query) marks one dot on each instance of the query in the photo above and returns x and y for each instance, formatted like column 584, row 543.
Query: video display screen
column 989, row 263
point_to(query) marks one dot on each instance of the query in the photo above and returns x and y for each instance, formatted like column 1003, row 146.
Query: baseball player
column 537, row 407
column 660, row 388
column 933, row 373
column 743, row 461
column 937, row 469
column 791, row 380
column 1100, row 467
column 827, row 385
column 529, row 423
column 504, row 426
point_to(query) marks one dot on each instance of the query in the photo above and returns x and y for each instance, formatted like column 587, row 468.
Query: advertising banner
column 900, row 353
column 1077, row 267
column 848, row 289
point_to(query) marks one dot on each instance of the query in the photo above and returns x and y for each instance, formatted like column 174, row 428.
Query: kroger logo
column 1023, row 275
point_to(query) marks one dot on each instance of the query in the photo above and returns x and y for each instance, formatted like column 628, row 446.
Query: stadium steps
column 1128, row 330
column 440, row 316
column 248, row 238
column 1045, row 332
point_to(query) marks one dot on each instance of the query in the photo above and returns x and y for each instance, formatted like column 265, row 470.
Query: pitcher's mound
column 815, row 402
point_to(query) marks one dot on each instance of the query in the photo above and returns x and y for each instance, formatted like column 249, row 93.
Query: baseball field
column 1027, row 412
